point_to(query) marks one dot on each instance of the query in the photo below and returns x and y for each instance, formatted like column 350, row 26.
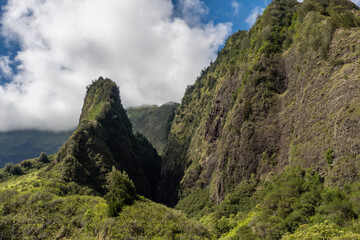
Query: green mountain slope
column 154, row 122
column 104, row 139
column 284, row 93
column 16, row 146
column 265, row 144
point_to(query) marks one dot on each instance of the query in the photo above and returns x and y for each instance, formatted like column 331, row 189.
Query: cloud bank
column 66, row 44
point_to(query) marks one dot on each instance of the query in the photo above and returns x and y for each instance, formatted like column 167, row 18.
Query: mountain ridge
column 254, row 110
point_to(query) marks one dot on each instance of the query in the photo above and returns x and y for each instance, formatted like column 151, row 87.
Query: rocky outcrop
column 104, row 139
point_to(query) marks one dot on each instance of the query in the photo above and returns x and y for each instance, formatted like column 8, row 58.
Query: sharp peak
column 102, row 95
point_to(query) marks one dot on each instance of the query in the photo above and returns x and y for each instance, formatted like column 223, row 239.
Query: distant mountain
column 16, row 146
column 154, row 122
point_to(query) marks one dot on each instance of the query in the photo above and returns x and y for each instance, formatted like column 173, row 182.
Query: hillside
column 154, row 122
column 284, row 93
column 24, row 144
column 283, row 96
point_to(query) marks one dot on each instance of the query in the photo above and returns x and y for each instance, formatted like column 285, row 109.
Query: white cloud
column 5, row 66
column 192, row 11
column 235, row 5
column 65, row 44
column 251, row 19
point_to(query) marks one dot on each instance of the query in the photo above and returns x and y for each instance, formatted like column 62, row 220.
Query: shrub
column 43, row 158
column 325, row 230
column 329, row 156
column 13, row 169
column 121, row 191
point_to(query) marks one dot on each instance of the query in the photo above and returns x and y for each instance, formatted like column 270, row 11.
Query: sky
column 51, row 50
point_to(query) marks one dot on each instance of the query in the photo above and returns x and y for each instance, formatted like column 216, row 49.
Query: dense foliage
column 12, row 170
column 121, row 191
column 39, row 205
column 295, row 204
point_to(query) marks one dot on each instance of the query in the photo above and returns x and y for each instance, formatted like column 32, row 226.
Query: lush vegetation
column 38, row 205
column 154, row 122
column 295, row 204
column 12, row 170
column 121, row 191
column 80, row 193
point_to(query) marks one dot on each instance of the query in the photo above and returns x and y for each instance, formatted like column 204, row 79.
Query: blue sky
column 232, row 11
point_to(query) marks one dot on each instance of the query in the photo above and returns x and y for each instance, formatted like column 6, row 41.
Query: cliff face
column 154, row 122
column 285, row 93
column 104, row 139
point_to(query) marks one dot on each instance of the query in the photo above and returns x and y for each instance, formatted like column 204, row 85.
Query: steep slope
column 154, row 122
column 104, row 139
column 24, row 144
column 286, row 93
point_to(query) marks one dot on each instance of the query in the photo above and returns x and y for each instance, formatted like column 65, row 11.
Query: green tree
column 121, row 191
